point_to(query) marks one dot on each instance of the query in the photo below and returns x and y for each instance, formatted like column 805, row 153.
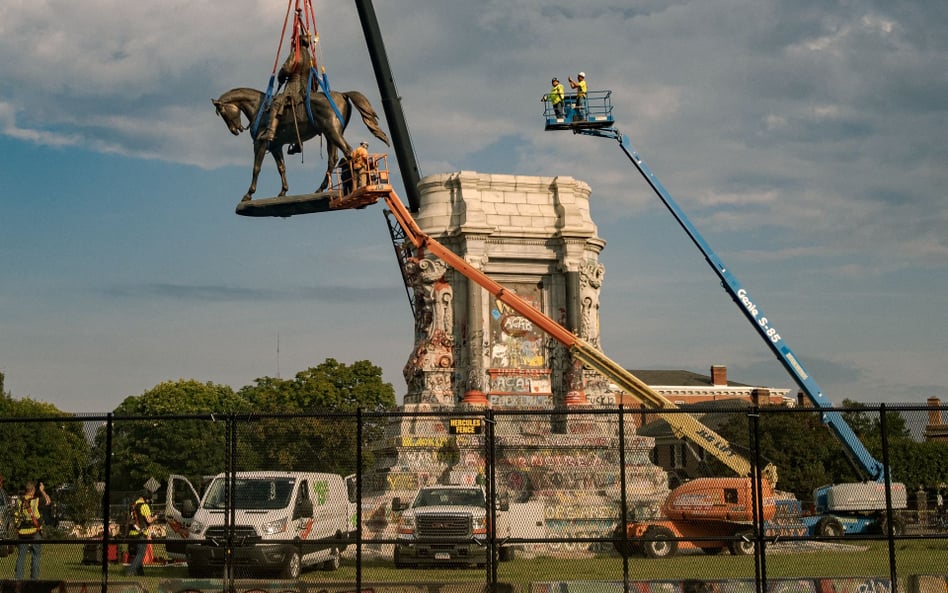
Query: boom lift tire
column 829, row 527
column 898, row 525
column 659, row 542
column 744, row 545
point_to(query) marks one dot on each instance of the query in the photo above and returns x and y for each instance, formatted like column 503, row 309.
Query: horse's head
column 230, row 113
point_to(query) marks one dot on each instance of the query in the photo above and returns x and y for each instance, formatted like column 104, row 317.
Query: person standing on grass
column 30, row 529
column 141, row 520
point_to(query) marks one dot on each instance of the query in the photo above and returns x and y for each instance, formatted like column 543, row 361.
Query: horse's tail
column 369, row 117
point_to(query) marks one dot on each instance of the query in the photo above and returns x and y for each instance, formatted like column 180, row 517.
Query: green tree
column 866, row 422
column 915, row 463
column 805, row 452
column 325, row 440
column 40, row 442
column 176, row 427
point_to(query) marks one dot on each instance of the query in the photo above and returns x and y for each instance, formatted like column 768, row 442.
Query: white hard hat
column 363, row 143
column 583, row 74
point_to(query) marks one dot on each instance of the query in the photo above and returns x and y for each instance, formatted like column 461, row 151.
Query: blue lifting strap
column 324, row 87
column 264, row 106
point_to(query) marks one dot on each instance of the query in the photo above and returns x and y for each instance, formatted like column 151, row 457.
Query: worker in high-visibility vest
column 555, row 97
column 141, row 519
column 30, row 529
column 580, row 86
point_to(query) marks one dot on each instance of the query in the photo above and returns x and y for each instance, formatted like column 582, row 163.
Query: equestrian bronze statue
column 293, row 126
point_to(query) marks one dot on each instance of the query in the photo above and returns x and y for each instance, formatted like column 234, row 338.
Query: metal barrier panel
column 262, row 502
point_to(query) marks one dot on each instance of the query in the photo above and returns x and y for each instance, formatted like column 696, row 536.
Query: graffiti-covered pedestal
column 556, row 459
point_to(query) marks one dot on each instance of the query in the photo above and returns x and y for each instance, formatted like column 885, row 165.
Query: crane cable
column 268, row 96
column 305, row 20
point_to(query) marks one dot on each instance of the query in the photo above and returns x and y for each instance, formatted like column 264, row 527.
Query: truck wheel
column 744, row 545
column 662, row 544
column 291, row 570
column 334, row 560
column 397, row 559
column 506, row 554
column 829, row 527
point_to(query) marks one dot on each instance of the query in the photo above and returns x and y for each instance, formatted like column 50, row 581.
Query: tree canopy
column 324, row 440
column 175, row 427
column 808, row 455
column 304, row 423
column 40, row 442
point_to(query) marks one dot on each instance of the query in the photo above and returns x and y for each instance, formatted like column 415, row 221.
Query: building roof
column 678, row 378
column 717, row 414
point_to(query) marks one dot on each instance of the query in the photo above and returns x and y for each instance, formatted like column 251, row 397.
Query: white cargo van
column 281, row 522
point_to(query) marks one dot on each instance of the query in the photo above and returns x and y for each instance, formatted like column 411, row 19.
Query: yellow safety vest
column 556, row 94
column 140, row 514
column 29, row 516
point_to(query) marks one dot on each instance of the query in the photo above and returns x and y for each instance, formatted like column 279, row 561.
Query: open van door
column 182, row 501
column 352, row 510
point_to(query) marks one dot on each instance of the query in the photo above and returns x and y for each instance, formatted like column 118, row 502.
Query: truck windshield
column 251, row 493
column 450, row 496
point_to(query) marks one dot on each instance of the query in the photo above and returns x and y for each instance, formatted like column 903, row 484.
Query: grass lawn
column 64, row 562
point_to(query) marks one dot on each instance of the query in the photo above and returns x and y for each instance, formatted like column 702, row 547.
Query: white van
column 281, row 522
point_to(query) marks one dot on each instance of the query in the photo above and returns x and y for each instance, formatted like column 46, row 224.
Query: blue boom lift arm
column 862, row 460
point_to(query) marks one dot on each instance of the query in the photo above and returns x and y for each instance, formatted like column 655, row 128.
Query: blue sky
column 805, row 140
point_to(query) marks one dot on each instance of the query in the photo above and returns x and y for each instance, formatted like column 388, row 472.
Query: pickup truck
column 446, row 525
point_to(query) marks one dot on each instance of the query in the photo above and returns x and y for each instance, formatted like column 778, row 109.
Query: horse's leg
column 277, row 152
column 260, row 150
column 330, row 165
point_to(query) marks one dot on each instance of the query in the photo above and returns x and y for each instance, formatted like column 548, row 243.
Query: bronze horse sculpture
column 296, row 127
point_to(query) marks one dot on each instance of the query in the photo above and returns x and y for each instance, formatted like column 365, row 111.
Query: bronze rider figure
column 295, row 75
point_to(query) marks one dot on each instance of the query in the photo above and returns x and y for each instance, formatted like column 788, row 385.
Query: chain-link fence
column 544, row 500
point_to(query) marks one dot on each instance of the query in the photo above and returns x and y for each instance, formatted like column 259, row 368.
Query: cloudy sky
column 807, row 141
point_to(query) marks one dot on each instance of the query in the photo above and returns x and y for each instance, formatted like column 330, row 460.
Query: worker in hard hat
column 360, row 164
column 555, row 97
column 580, row 85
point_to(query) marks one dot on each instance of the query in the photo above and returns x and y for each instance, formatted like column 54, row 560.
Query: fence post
column 358, row 497
column 491, row 502
column 890, row 516
column 230, row 515
column 106, row 497
column 760, row 563
column 623, row 502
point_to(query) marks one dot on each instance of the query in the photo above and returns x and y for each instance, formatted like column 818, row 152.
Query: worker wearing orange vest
column 30, row 529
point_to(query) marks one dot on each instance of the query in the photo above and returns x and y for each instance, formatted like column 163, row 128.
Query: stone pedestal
column 535, row 236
